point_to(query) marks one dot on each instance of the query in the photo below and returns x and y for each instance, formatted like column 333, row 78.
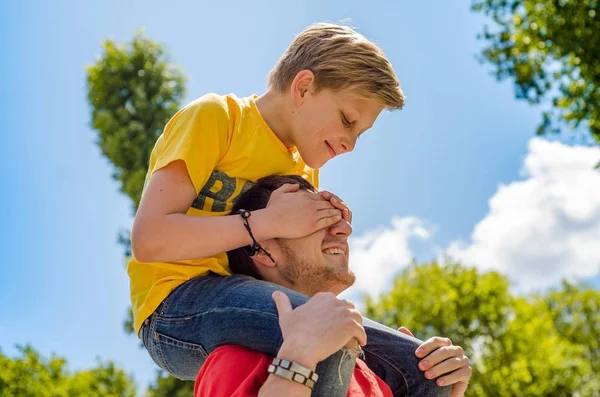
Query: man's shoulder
column 366, row 383
column 242, row 360
column 238, row 352
column 230, row 370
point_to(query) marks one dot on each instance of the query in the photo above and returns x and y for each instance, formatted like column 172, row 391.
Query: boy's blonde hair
column 340, row 58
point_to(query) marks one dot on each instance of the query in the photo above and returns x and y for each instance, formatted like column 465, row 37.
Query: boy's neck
column 275, row 110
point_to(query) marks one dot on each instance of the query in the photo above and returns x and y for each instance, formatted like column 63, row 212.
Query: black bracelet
column 255, row 248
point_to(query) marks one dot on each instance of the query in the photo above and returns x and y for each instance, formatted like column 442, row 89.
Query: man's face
column 328, row 123
column 317, row 262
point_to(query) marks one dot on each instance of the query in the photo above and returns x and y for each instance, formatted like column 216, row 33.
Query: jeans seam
column 397, row 370
column 211, row 311
column 160, row 355
column 168, row 340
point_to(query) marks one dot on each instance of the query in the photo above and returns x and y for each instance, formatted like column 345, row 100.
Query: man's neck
column 275, row 110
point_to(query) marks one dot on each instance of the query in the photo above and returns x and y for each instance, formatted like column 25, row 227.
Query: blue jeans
column 210, row 311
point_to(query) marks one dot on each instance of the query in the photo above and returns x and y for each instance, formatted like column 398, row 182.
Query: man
column 317, row 266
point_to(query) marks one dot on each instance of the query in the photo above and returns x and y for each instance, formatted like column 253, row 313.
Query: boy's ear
column 302, row 85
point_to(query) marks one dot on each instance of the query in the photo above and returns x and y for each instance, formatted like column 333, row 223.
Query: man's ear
column 262, row 259
column 302, row 85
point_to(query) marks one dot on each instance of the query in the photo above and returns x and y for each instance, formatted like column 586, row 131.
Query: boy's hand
column 295, row 214
column 339, row 204
column 440, row 357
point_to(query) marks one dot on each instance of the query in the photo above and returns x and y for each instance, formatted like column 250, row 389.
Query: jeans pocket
column 180, row 358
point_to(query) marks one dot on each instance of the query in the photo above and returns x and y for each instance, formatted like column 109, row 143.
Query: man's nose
column 341, row 228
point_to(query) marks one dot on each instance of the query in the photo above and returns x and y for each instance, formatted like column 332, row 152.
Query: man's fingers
column 441, row 354
column 459, row 389
column 360, row 334
column 348, row 303
column 282, row 302
column 445, row 367
column 432, row 344
column 406, row 331
column 460, row 375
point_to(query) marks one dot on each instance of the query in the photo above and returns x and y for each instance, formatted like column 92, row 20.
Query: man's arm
column 235, row 371
column 276, row 386
column 311, row 333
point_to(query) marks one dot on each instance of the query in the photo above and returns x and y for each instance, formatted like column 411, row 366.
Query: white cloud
column 545, row 227
column 376, row 256
column 539, row 230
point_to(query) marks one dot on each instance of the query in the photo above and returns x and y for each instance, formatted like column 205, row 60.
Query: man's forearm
column 276, row 386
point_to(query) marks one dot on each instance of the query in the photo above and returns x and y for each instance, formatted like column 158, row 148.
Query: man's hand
column 339, row 204
column 317, row 329
column 440, row 357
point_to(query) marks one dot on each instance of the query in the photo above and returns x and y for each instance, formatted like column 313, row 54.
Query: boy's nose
column 346, row 145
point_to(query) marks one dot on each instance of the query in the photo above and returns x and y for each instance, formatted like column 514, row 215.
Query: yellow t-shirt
column 226, row 145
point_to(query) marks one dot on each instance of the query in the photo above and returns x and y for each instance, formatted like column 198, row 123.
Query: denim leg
column 212, row 311
column 391, row 355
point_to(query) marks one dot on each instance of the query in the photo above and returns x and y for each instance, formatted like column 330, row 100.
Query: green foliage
column 519, row 346
column 30, row 375
column 548, row 47
column 575, row 312
column 167, row 386
column 133, row 91
column 530, row 358
column 447, row 300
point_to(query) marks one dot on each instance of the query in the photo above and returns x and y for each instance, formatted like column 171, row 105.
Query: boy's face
column 328, row 123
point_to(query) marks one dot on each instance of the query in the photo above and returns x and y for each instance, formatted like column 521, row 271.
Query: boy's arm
column 162, row 232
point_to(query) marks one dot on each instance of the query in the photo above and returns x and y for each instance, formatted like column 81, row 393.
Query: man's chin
column 343, row 283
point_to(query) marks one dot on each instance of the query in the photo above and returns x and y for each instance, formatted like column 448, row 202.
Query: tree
column 450, row 300
column 537, row 345
column 167, row 386
column 133, row 91
column 575, row 312
column 549, row 48
column 30, row 375
column 530, row 358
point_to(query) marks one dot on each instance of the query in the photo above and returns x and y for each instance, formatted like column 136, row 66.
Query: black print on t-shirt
column 220, row 187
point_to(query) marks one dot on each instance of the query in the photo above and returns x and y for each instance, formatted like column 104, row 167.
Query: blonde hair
column 340, row 58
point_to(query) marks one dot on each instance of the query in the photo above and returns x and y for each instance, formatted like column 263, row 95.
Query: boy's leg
column 391, row 355
column 212, row 311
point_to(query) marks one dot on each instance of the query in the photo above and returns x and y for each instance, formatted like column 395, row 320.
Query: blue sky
column 439, row 161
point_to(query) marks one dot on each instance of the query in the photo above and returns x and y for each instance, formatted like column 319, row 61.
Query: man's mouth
column 332, row 152
column 334, row 251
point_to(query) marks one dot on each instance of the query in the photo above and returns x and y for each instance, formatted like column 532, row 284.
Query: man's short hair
column 257, row 198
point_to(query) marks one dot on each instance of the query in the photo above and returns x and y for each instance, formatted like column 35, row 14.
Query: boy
column 327, row 89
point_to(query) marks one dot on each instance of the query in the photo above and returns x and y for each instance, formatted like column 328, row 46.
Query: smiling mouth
column 331, row 151
column 334, row 251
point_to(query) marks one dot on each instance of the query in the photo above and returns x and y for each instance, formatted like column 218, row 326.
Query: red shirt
column 234, row 371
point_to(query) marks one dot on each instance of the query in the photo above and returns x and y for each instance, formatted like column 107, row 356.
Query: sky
column 456, row 171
